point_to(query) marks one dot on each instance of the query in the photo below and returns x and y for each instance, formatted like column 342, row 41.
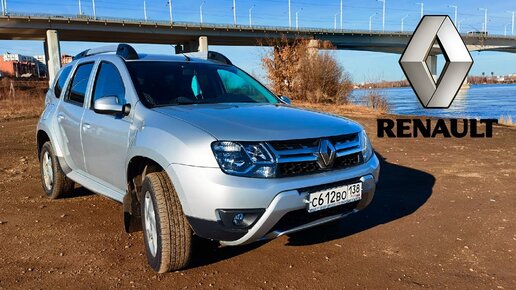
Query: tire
column 54, row 182
column 167, row 233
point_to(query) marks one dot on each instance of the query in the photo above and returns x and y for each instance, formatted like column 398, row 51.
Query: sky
column 362, row 66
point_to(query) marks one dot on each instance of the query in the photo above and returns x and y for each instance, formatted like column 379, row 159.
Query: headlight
column 365, row 145
column 244, row 159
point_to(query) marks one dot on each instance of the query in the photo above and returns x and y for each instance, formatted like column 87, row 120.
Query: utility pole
column 341, row 15
column 251, row 16
column 94, row 9
column 297, row 18
column 383, row 15
column 512, row 29
column 505, row 29
column 289, row 16
column 422, row 8
column 4, row 7
column 200, row 9
column 454, row 18
column 371, row 22
column 402, row 20
column 169, row 3
column 80, row 7
column 234, row 12
column 485, row 19
column 335, row 21
column 458, row 25
column 144, row 10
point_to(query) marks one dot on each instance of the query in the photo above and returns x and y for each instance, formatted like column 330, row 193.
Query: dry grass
column 506, row 120
column 21, row 108
column 21, row 99
column 376, row 101
column 348, row 110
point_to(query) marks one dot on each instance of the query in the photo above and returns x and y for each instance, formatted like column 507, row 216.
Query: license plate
column 335, row 196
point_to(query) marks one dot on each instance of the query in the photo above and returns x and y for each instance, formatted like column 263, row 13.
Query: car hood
column 260, row 122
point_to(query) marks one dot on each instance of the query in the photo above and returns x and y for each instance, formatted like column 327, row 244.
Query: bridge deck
column 25, row 27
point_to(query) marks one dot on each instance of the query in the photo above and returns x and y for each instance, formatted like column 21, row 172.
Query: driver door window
column 108, row 83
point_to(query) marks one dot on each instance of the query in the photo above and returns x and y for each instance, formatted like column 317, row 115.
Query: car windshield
column 161, row 83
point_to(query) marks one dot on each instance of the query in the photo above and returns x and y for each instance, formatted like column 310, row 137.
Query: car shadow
column 79, row 191
column 400, row 192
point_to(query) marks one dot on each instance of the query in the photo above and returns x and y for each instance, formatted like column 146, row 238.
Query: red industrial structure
column 17, row 65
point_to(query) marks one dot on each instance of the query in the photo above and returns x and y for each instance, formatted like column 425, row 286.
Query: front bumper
column 203, row 191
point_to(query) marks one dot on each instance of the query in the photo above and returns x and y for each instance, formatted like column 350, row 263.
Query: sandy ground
column 443, row 216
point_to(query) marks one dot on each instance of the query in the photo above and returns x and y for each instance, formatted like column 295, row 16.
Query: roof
column 128, row 53
column 165, row 57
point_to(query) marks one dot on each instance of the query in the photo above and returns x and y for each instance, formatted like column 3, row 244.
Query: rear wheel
column 54, row 182
column 166, row 231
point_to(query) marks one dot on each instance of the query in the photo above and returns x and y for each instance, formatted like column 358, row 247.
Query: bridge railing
column 301, row 30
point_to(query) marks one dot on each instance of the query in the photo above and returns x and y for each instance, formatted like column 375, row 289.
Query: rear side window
column 108, row 83
column 77, row 90
column 58, row 88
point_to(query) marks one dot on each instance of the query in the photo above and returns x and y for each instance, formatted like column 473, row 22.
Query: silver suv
column 194, row 146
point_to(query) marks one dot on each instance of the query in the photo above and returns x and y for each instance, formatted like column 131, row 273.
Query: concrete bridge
column 195, row 36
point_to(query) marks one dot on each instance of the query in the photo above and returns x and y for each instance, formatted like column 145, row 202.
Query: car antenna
column 186, row 56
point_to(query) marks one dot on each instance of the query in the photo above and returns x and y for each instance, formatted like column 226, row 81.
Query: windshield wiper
column 185, row 101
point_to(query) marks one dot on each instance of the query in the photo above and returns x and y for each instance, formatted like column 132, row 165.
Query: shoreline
column 357, row 87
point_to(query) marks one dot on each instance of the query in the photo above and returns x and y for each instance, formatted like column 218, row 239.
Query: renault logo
column 326, row 153
column 432, row 93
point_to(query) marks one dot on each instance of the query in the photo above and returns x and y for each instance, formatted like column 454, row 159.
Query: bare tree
column 297, row 70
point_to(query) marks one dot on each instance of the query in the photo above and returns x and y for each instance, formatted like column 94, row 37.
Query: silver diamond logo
column 441, row 92
column 326, row 154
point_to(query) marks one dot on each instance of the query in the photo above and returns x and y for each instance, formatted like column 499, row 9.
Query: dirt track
column 444, row 216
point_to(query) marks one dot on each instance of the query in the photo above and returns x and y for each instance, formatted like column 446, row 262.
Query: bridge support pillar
column 203, row 44
column 313, row 47
column 52, row 54
column 431, row 62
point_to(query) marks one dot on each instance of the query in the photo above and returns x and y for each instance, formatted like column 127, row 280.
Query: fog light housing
column 239, row 218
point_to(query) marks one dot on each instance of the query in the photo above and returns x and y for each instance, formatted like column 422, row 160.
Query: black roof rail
column 218, row 57
column 210, row 55
column 123, row 50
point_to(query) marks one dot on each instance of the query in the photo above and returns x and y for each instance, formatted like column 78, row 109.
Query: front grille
column 300, row 168
column 299, row 157
column 294, row 144
column 297, row 168
column 300, row 217
column 347, row 161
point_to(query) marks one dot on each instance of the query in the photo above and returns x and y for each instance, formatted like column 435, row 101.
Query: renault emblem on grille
column 326, row 153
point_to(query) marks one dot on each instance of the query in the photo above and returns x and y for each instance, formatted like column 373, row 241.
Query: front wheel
column 167, row 233
column 54, row 182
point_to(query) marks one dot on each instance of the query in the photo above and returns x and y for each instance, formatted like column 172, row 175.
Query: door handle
column 60, row 117
column 86, row 126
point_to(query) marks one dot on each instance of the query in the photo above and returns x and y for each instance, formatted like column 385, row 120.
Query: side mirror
column 109, row 105
column 285, row 100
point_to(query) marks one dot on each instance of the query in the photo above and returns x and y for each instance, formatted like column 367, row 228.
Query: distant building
column 17, row 65
column 40, row 58
column 42, row 64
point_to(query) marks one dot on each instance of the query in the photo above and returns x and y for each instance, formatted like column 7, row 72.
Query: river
column 479, row 101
